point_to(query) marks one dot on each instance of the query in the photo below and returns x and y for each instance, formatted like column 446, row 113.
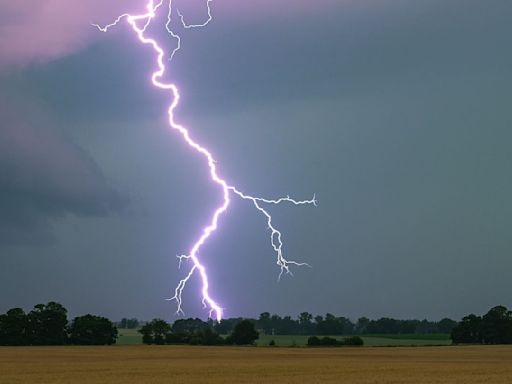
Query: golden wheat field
column 167, row 364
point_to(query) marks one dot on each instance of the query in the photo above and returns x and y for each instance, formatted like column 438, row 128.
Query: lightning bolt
column 139, row 24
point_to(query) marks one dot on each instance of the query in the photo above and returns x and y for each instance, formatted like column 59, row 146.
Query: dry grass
column 176, row 365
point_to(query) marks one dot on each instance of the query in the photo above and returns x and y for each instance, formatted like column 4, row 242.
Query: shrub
column 314, row 341
column 353, row 341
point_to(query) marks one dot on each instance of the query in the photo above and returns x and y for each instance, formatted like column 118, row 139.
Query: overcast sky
column 395, row 113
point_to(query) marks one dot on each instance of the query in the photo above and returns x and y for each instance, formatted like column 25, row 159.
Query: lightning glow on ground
column 139, row 24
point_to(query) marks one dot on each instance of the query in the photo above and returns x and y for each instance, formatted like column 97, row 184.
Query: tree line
column 495, row 327
column 197, row 332
column 47, row 324
column 308, row 324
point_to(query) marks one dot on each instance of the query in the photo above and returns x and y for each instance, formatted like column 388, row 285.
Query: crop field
column 182, row 364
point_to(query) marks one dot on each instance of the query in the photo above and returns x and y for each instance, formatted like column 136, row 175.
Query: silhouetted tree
column 189, row 325
column 128, row 323
column 14, row 327
column 244, row 333
column 155, row 332
column 306, row 326
column 264, row 323
column 226, row 326
column 206, row 337
column 496, row 326
column 469, row 330
column 332, row 325
column 47, row 324
column 446, row 325
column 362, row 324
column 92, row 330
column 326, row 341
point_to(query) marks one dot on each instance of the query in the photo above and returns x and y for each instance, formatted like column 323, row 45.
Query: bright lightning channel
column 139, row 24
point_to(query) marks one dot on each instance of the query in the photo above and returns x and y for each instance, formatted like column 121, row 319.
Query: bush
column 353, row 341
column 272, row 343
column 329, row 341
column 326, row 341
column 314, row 341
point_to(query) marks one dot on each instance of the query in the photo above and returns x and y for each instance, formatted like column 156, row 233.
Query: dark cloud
column 44, row 175
column 396, row 113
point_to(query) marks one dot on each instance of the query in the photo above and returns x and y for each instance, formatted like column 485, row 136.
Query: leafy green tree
column 155, row 332
column 244, row 333
column 47, row 324
column 14, row 327
column 92, row 330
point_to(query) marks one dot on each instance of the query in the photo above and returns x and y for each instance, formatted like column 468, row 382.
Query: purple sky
column 396, row 113
column 44, row 30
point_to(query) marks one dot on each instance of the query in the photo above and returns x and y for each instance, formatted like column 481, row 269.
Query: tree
column 155, row 332
column 47, row 324
column 264, row 323
column 92, row 330
column 128, row 323
column 206, row 337
column 496, row 326
column 306, row 323
column 244, row 333
column 446, row 325
column 333, row 325
column 225, row 326
column 189, row 326
column 14, row 327
column 468, row 330
column 362, row 324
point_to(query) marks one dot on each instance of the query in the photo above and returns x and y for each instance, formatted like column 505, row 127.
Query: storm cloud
column 396, row 113
column 44, row 175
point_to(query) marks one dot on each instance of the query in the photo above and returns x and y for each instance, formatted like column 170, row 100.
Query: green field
column 369, row 340
column 129, row 337
column 132, row 337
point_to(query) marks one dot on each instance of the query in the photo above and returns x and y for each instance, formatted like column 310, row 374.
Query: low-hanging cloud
column 43, row 176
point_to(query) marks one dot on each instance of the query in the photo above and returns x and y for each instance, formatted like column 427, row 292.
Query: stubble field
column 179, row 364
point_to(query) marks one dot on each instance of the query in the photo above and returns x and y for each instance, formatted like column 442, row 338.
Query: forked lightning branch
column 139, row 24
